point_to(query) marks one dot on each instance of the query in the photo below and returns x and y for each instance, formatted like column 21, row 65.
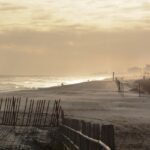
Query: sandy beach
column 99, row 101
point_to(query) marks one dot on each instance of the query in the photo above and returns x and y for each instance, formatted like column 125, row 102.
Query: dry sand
column 99, row 101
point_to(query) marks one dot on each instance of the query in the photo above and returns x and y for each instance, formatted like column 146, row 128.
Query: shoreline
column 51, row 87
column 18, row 84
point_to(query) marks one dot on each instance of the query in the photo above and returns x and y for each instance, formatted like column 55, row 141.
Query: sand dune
column 99, row 101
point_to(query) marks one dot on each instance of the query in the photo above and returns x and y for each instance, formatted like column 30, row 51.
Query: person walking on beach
column 118, row 85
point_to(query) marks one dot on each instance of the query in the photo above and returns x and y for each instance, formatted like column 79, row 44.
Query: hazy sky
column 73, row 36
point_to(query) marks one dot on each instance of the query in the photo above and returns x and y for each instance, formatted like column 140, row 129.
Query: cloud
column 73, row 36
column 71, row 51
column 49, row 14
column 11, row 7
column 146, row 6
column 83, row 39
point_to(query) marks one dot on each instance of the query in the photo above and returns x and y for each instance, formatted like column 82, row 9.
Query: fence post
column 108, row 136
column 139, row 89
column 113, row 76
column 96, row 135
column 122, row 89
column 24, row 113
column 14, row 113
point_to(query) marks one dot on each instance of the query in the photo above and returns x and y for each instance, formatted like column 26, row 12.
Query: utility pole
column 113, row 76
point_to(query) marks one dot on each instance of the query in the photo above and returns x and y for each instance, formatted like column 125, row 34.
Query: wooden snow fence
column 81, row 135
column 29, row 112
column 76, row 134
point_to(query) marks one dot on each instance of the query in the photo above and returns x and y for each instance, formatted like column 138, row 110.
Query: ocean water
column 15, row 83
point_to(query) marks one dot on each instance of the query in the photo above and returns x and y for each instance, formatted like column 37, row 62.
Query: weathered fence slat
column 82, row 135
column 46, row 114
column 39, row 112
column 52, row 115
column 24, row 112
column 107, row 135
column 36, row 112
column 30, row 116
column 27, row 122
column 8, row 111
column 1, row 102
column 4, row 113
column 17, row 110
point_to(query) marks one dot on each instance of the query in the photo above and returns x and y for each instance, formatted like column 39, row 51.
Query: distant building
column 135, row 70
column 147, row 68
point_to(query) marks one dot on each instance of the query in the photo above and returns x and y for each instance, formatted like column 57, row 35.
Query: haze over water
column 15, row 83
